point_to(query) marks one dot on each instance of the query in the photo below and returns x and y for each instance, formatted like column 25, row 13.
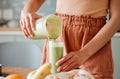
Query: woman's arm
column 100, row 39
column 32, row 6
column 106, row 33
column 28, row 16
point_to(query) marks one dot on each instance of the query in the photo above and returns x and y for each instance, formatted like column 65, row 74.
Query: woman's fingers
column 64, row 59
column 65, row 65
column 69, row 62
column 32, row 18
column 25, row 33
column 71, row 67
column 24, row 28
column 32, row 22
column 28, row 27
column 27, row 23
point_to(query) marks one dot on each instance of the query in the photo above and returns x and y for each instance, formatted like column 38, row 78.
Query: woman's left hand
column 69, row 62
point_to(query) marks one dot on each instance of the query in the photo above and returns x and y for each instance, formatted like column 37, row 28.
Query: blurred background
column 10, row 10
column 13, row 45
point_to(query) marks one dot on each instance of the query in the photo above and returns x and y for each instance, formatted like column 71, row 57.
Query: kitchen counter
column 117, row 34
column 5, row 28
column 14, row 70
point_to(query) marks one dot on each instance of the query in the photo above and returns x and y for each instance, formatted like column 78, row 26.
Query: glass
column 55, row 53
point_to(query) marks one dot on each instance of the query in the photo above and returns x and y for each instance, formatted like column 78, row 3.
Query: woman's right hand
column 27, row 23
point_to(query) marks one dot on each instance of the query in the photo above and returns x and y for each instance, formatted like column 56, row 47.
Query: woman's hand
column 71, row 61
column 27, row 23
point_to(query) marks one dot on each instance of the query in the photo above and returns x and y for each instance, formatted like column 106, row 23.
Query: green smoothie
column 55, row 53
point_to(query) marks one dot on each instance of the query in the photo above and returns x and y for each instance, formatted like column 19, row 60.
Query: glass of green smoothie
column 55, row 53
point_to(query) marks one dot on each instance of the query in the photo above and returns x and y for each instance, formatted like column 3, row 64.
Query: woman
column 85, row 33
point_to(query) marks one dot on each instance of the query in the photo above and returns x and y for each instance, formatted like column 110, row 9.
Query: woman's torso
column 83, row 7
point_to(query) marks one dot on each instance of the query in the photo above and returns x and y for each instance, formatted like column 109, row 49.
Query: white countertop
column 117, row 35
column 11, row 33
column 21, row 33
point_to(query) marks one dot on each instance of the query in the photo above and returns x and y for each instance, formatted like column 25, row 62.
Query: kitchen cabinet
column 14, row 43
column 6, row 38
column 116, row 55
column 13, row 36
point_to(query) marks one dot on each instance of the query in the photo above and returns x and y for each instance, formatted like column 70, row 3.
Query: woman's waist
column 83, row 7
column 93, row 13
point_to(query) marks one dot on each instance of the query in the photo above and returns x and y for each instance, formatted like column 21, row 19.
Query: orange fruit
column 14, row 76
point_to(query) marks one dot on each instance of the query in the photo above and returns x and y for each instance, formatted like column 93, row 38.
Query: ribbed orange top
column 83, row 7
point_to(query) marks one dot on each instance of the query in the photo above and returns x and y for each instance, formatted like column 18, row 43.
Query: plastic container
column 47, row 27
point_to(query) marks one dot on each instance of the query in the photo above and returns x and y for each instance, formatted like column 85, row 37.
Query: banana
column 42, row 72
